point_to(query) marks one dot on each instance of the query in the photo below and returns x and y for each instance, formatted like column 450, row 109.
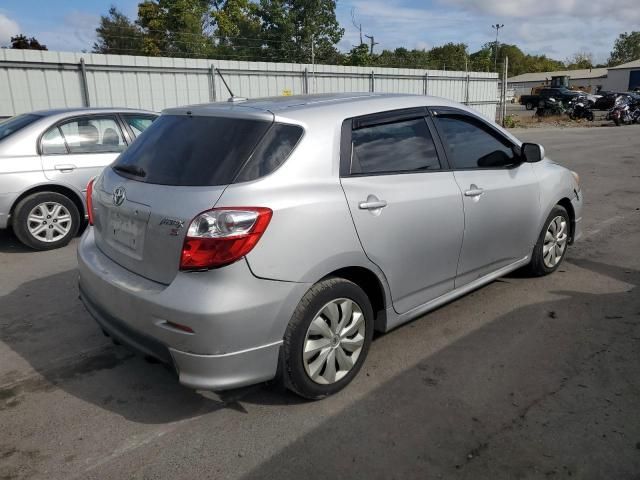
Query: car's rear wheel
column 529, row 106
column 46, row 220
column 327, row 339
column 552, row 244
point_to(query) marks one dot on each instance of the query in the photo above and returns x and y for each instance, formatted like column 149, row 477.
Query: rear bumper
column 238, row 320
column 201, row 372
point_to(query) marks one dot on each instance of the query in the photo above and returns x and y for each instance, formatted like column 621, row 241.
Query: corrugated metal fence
column 32, row 80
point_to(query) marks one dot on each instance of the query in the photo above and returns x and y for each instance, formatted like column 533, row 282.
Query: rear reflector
column 221, row 236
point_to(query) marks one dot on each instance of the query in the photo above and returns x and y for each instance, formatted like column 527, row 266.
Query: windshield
column 189, row 150
column 13, row 124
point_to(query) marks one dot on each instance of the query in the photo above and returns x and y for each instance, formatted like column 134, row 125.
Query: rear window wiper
column 131, row 169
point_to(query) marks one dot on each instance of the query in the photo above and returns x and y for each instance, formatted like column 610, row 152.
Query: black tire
column 590, row 116
column 616, row 121
column 294, row 374
column 529, row 106
column 27, row 204
column 537, row 266
column 573, row 116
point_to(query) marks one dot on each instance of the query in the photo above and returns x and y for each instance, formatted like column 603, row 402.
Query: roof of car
column 86, row 110
column 337, row 105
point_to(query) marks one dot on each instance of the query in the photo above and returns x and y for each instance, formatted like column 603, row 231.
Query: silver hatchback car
column 47, row 158
column 244, row 241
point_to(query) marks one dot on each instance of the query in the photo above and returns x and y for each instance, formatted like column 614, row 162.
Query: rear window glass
column 187, row 150
column 13, row 124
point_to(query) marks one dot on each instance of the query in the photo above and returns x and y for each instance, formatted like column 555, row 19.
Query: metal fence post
column 85, row 85
column 425, row 87
column 212, row 80
column 305, row 79
column 466, row 95
column 372, row 82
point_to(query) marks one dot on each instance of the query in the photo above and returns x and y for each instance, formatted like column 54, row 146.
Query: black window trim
column 383, row 118
column 59, row 123
column 127, row 128
column 438, row 111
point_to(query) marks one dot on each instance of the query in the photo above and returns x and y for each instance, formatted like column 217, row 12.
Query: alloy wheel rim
column 49, row 222
column 555, row 242
column 334, row 341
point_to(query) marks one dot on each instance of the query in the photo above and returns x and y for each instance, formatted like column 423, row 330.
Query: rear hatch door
column 178, row 168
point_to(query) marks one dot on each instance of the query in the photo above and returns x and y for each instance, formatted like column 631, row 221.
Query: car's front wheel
column 45, row 220
column 552, row 244
column 327, row 339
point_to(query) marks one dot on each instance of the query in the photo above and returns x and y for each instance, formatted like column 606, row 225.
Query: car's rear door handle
column 65, row 168
column 474, row 191
column 372, row 203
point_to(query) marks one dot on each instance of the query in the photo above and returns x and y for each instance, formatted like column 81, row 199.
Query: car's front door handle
column 474, row 191
column 65, row 168
column 372, row 204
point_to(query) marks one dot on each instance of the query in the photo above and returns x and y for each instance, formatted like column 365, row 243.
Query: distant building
column 589, row 80
column 624, row 77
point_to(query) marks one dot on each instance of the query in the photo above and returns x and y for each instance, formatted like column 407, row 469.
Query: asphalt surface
column 525, row 378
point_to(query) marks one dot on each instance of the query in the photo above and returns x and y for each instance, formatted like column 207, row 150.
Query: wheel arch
column 373, row 287
column 68, row 192
column 568, row 206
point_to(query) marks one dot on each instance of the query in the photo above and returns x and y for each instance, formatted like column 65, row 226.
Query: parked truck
column 562, row 94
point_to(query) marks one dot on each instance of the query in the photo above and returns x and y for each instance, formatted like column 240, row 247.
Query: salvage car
column 246, row 241
column 46, row 159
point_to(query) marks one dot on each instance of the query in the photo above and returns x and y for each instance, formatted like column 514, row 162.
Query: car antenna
column 233, row 98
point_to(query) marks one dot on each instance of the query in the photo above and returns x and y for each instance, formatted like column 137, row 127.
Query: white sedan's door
column 77, row 149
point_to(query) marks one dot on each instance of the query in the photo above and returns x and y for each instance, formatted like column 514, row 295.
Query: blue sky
column 555, row 28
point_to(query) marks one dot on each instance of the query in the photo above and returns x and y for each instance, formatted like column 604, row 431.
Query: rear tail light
column 90, row 200
column 221, row 236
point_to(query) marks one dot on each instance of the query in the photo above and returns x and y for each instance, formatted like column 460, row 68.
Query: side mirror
column 532, row 152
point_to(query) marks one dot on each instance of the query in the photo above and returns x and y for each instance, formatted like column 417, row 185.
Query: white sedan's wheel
column 49, row 222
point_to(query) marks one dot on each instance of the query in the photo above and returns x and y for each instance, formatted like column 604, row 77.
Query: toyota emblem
column 118, row 196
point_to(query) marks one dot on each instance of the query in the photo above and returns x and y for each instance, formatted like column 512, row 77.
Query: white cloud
column 77, row 32
column 8, row 28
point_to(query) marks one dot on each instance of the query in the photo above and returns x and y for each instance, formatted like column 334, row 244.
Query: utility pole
column 372, row 42
column 357, row 25
column 497, row 28
column 313, row 62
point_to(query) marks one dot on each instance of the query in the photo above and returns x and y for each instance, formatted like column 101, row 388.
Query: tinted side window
column 471, row 144
column 272, row 151
column 138, row 123
column 403, row 146
column 93, row 135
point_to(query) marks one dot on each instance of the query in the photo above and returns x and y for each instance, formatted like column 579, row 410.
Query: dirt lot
column 525, row 378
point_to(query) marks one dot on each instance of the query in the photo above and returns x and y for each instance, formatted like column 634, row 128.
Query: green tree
column 359, row 56
column 21, row 42
column 450, row 56
column 625, row 49
column 175, row 27
column 237, row 29
column 580, row 60
column 117, row 34
column 290, row 26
